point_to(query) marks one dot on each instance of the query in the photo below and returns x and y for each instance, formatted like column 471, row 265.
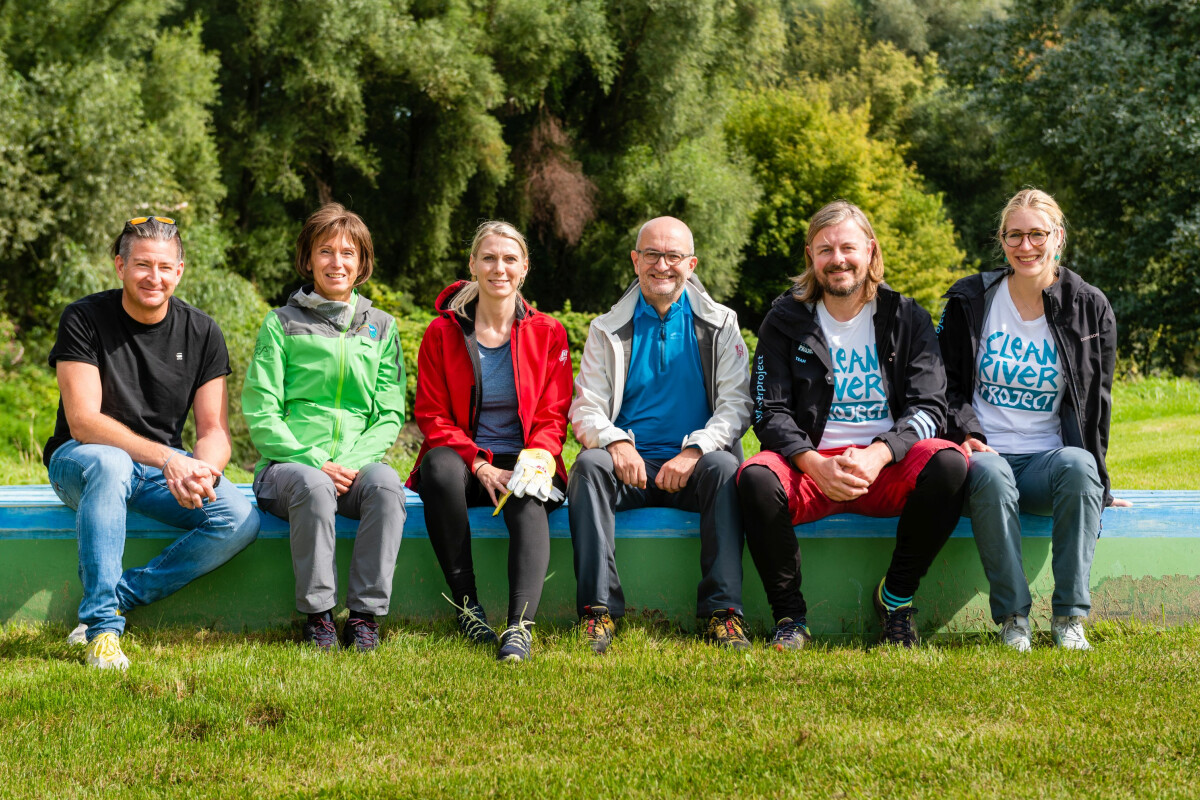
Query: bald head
column 669, row 226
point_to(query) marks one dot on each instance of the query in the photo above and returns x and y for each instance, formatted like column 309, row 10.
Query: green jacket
column 320, row 389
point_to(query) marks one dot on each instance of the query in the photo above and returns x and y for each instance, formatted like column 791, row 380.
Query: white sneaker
column 79, row 635
column 1016, row 634
column 104, row 652
column 1068, row 633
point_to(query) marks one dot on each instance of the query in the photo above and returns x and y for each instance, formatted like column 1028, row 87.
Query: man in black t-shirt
column 130, row 364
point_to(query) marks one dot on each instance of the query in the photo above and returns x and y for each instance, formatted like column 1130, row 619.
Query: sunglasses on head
column 143, row 220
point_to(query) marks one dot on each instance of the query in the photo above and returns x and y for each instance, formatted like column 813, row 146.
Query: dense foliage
column 577, row 121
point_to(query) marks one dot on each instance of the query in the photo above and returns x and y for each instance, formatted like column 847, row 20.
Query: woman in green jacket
column 324, row 399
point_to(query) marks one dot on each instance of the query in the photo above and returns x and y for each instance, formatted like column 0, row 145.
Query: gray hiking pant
column 307, row 499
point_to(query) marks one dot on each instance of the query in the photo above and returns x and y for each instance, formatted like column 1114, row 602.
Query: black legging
column 448, row 489
column 928, row 519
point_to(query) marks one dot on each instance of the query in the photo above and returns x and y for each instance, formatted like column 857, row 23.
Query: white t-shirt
column 1018, row 380
column 860, row 409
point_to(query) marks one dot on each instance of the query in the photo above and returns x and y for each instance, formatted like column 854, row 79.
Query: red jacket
column 449, row 395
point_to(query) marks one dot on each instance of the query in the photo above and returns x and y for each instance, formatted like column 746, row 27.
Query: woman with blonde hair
column 493, row 388
column 1029, row 351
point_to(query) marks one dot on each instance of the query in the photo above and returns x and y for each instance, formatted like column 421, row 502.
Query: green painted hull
column 1151, row 578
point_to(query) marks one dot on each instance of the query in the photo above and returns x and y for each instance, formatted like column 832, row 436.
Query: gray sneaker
column 1068, row 633
column 79, row 635
column 1015, row 633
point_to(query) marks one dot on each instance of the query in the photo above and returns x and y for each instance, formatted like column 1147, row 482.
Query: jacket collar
column 703, row 306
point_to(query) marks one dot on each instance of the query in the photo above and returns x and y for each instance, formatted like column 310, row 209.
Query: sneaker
column 79, row 635
column 104, row 652
column 1068, row 633
column 516, row 642
column 790, row 634
column 472, row 622
column 895, row 626
column 727, row 629
column 598, row 628
column 1015, row 633
column 360, row 634
column 320, row 632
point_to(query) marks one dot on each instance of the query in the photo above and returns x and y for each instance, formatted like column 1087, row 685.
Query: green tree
column 1096, row 101
column 806, row 154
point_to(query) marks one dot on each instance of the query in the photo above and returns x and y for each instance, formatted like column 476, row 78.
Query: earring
column 1056, row 256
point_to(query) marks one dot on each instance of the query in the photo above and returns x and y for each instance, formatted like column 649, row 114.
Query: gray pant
column 1062, row 484
column 595, row 495
column 307, row 499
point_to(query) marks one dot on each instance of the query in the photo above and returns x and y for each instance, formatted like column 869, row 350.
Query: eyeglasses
column 1036, row 238
column 143, row 220
column 650, row 257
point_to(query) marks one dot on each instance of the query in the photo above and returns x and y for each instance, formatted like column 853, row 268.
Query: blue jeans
column 102, row 484
column 1062, row 484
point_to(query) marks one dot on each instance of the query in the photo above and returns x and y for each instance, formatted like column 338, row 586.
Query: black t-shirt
column 149, row 374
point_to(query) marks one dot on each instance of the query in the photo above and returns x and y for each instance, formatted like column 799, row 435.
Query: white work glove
column 533, row 475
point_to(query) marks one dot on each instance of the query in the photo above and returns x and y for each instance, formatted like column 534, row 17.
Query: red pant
column 885, row 497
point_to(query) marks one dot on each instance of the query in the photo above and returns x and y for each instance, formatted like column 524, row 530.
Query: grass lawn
column 204, row 715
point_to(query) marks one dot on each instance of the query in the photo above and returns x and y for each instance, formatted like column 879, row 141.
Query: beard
column 846, row 290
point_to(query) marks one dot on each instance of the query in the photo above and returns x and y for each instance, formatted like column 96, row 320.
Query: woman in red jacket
column 493, row 388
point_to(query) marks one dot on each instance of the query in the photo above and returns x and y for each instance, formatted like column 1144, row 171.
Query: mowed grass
column 1155, row 435
column 660, row 715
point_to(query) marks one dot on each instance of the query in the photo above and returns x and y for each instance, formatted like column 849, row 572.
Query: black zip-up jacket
column 792, row 376
column 1085, row 331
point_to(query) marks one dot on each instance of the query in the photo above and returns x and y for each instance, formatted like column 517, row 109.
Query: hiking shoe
column 320, row 632
column 79, row 635
column 598, row 628
column 1015, row 633
column 1068, row 633
column 726, row 629
column 360, row 634
column 516, row 642
column 790, row 634
column 104, row 652
column 472, row 622
column 895, row 626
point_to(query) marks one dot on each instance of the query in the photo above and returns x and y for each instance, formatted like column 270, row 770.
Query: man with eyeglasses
column 661, row 403
column 130, row 363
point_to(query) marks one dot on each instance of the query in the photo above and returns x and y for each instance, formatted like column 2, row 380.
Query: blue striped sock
column 890, row 601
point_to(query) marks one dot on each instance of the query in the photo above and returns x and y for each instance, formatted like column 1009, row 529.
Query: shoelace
column 591, row 623
column 791, row 630
column 899, row 624
column 521, row 631
column 732, row 628
column 470, row 622
column 324, row 632
column 365, row 632
column 108, row 648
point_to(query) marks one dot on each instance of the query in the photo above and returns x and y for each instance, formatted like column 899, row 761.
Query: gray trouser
column 1062, row 484
column 307, row 499
column 595, row 495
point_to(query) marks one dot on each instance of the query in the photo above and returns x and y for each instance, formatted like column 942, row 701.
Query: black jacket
column 792, row 375
column 1082, row 323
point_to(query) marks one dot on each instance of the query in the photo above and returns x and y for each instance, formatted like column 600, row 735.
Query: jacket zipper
column 337, row 397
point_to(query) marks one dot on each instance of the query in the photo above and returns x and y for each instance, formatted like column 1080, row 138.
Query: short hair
column 323, row 224
column 152, row 228
column 805, row 287
column 1034, row 200
column 491, row 227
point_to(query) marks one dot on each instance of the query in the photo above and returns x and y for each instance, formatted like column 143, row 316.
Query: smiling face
column 148, row 278
column 334, row 264
column 661, row 283
column 1030, row 261
column 841, row 257
column 500, row 266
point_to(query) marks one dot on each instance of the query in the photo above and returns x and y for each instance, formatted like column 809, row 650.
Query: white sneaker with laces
column 104, row 652
column 79, row 635
column 1016, row 634
column 1068, row 633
